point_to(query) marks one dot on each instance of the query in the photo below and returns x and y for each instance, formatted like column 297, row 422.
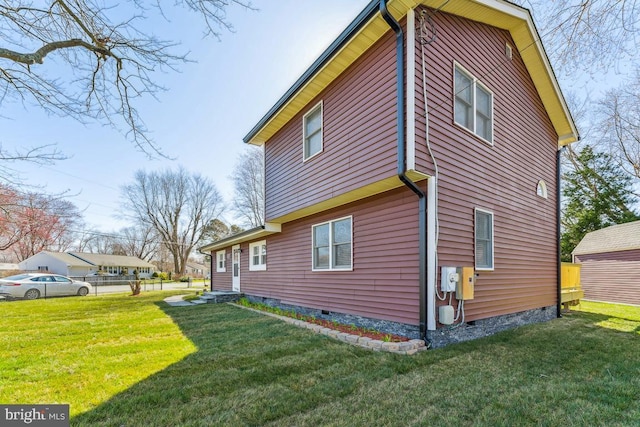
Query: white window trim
column 541, row 189
column 493, row 242
column 331, row 268
column 476, row 82
column 222, row 269
column 263, row 265
column 320, row 106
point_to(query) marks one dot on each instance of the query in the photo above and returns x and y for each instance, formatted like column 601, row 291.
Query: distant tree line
column 172, row 213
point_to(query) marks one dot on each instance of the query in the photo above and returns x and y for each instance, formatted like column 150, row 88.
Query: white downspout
column 432, row 267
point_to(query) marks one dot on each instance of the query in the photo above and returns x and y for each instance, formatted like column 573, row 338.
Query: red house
column 424, row 139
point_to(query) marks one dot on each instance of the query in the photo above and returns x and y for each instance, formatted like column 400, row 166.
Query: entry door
column 235, row 281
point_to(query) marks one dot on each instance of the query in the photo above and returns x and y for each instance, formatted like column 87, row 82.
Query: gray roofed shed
column 620, row 237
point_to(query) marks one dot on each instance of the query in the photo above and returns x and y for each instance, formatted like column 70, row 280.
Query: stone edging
column 405, row 348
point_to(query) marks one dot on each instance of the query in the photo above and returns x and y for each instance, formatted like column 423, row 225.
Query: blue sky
column 201, row 120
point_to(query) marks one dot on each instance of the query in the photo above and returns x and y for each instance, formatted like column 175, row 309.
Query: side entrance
column 235, row 276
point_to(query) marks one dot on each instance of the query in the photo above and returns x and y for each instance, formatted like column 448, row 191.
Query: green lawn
column 134, row 361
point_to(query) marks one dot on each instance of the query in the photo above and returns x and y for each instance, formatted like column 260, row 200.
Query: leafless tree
column 141, row 241
column 85, row 240
column 593, row 38
column 248, row 182
column 177, row 204
column 619, row 125
column 99, row 243
column 588, row 36
column 102, row 58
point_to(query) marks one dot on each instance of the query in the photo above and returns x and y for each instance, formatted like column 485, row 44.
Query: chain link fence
column 118, row 284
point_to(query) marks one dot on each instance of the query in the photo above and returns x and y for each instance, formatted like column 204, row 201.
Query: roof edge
column 606, row 251
column 244, row 236
column 363, row 17
column 567, row 128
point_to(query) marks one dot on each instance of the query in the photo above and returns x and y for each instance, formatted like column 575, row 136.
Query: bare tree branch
column 103, row 63
column 43, row 155
column 248, row 182
column 588, row 35
column 618, row 120
column 177, row 205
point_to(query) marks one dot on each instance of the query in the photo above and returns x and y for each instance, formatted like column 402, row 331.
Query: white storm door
column 235, row 275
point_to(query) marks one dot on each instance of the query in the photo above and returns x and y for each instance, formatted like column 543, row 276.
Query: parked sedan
column 36, row 285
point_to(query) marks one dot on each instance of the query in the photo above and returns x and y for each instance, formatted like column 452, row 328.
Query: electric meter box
column 466, row 284
column 449, row 279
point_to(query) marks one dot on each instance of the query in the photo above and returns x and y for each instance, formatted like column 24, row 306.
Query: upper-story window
column 312, row 132
column 473, row 104
column 258, row 255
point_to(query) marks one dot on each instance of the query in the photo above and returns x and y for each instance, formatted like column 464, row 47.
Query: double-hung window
column 483, row 239
column 333, row 245
column 312, row 132
column 221, row 261
column 473, row 107
column 258, row 256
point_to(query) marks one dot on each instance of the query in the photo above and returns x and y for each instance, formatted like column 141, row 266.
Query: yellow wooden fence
column 572, row 292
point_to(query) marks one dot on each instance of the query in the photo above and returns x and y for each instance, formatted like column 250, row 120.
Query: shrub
column 185, row 278
column 160, row 275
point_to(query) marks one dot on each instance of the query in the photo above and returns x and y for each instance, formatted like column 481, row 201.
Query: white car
column 37, row 285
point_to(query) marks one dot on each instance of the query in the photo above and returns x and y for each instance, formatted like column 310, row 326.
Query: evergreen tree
column 597, row 194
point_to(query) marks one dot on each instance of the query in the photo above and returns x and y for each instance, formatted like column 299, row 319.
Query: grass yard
column 119, row 360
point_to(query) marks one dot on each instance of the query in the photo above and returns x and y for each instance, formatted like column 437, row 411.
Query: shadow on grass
column 251, row 369
column 242, row 359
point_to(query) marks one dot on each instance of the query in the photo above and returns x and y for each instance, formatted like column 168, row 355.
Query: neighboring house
column 365, row 208
column 85, row 264
column 58, row 263
column 195, row 269
column 610, row 260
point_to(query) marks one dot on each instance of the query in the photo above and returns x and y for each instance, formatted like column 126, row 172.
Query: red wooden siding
column 611, row 276
column 221, row 281
column 501, row 178
column 360, row 148
column 384, row 280
column 359, row 129
column 611, row 281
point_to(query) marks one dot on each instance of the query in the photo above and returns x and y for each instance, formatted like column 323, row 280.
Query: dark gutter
column 211, row 265
column 365, row 16
column 402, row 168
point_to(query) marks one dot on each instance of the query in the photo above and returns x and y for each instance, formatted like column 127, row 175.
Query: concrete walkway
column 178, row 301
column 214, row 297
